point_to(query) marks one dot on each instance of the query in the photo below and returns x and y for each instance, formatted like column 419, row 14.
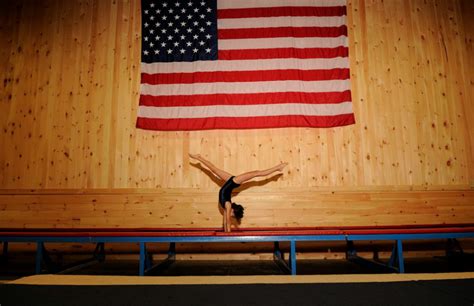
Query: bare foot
column 282, row 166
column 195, row 156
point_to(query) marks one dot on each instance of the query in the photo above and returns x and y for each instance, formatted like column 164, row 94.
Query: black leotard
column 226, row 191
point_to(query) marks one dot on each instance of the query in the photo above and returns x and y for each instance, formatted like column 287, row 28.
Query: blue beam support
column 401, row 264
column 293, row 257
column 393, row 256
column 142, row 258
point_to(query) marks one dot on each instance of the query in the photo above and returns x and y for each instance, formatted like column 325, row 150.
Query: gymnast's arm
column 224, row 219
column 227, row 217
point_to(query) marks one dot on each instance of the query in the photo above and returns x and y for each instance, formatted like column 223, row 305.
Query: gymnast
column 231, row 182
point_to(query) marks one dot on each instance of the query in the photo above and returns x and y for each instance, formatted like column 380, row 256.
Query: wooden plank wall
column 197, row 208
column 70, row 73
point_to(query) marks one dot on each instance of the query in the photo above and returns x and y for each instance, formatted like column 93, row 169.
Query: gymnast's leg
column 244, row 177
column 223, row 175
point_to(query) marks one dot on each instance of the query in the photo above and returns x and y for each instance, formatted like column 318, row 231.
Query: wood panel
column 467, row 9
column 199, row 208
column 70, row 72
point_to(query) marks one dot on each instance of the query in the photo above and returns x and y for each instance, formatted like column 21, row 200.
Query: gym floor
column 24, row 265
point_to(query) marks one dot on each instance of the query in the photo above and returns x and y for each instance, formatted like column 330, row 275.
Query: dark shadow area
column 227, row 267
column 438, row 292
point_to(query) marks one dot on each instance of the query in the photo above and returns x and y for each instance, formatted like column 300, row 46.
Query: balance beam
column 100, row 236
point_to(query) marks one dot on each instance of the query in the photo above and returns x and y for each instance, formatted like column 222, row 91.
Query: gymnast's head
column 238, row 211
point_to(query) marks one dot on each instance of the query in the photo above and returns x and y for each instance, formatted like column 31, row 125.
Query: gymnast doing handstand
column 231, row 182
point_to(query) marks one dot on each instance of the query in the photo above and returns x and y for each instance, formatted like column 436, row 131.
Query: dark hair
column 238, row 210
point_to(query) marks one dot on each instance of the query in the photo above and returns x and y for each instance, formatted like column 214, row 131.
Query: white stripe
column 243, row 65
column 244, row 87
column 283, row 42
column 271, row 22
column 245, row 110
column 227, row 4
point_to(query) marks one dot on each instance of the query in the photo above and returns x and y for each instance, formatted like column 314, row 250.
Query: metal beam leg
column 351, row 255
column 393, row 256
column 293, row 257
column 5, row 251
column 172, row 251
column 39, row 256
column 163, row 265
column 279, row 258
column 455, row 253
column 453, row 248
column 142, row 258
column 401, row 264
column 98, row 256
column 276, row 250
column 99, row 252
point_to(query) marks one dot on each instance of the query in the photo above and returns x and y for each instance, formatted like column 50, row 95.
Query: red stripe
column 469, row 226
column 229, row 55
column 108, row 229
column 110, row 234
column 245, row 76
column 281, row 11
column 282, row 233
column 409, row 231
column 244, row 123
column 282, row 32
column 247, row 99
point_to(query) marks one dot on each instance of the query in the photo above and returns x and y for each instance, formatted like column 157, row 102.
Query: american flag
column 239, row 64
